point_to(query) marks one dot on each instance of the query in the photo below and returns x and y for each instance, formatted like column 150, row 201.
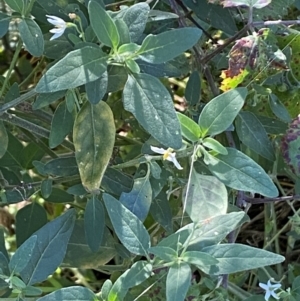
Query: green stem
column 12, row 66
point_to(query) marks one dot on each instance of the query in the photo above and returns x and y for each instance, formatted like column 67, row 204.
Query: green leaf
column 205, row 197
column 77, row 189
column 52, row 240
column 220, row 112
column 45, row 99
column 133, row 66
column 211, row 232
column 22, row 256
column 178, row 281
column 97, row 89
column 32, row 36
column 59, row 196
column 252, row 133
column 240, row 172
column 3, row 139
column 28, row 220
column 161, row 211
column 136, row 17
column 103, row 25
column 235, row 258
column 193, row 89
column 129, row 229
column 199, row 259
column 46, row 188
column 272, row 126
column 123, row 31
column 189, row 128
column 31, row 152
column 78, row 67
column 157, row 49
column 214, row 15
column 72, row 293
column 61, row 167
column 151, row 104
column 138, row 273
column 115, row 182
column 106, row 287
column 16, row 5
column 94, row 223
column 138, row 200
column 117, row 77
column 165, row 253
column 94, row 137
column 4, row 23
column 278, row 108
column 61, row 125
column 214, row 145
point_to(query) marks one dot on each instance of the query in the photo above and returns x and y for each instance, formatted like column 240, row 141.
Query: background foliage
column 134, row 142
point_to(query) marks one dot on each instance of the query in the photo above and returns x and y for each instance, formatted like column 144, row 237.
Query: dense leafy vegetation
column 134, row 137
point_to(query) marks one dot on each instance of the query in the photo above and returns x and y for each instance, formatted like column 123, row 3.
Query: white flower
column 270, row 289
column 167, row 155
column 60, row 26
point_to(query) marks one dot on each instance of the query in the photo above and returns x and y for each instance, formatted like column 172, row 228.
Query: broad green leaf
column 32, row 291
column 4, row 23
column 134, row 276
column 193, row 89
column 46, row 188
column 4, row 265
column 13, row 154
column 165, row 253
column 212, row 231
column 106, row 287
column 136, row 17
column 133, row 66
column 161, row 211
column 129, row 229
column 178, row 281
column 17, row 5
column 72, row 293
column 94, row 137
column 28, row 220
column 117, row 77
column 157, row 49
column 61, row 125
column 32, row 36
column 3, row 139
column 81, row 256
column 151, row 104
column 78, row 67
column 175, row 240
column 22, row 256
column 71, row 99
column 123, row 31
column 214, row 145
column 252, row 133
column 97, row 89
column 115, row 182
column 240, row 172
column 103, row 25
column 235, row 258
column 52, row 240
column 77, row 189
column 94, row 223
column 199, row 259
column 59, row 196
column 214, row 15
column 272, row 126
column 138, row 200
column 204, row 197
column 61, row 167
column 278, row 108
column 220, row 112
column 189, row 128
column 45, row 99
column 32, row 151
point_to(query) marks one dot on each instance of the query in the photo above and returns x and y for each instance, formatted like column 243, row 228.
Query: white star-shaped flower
column 60, row 26
column 270, row 289
column 168, row 155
